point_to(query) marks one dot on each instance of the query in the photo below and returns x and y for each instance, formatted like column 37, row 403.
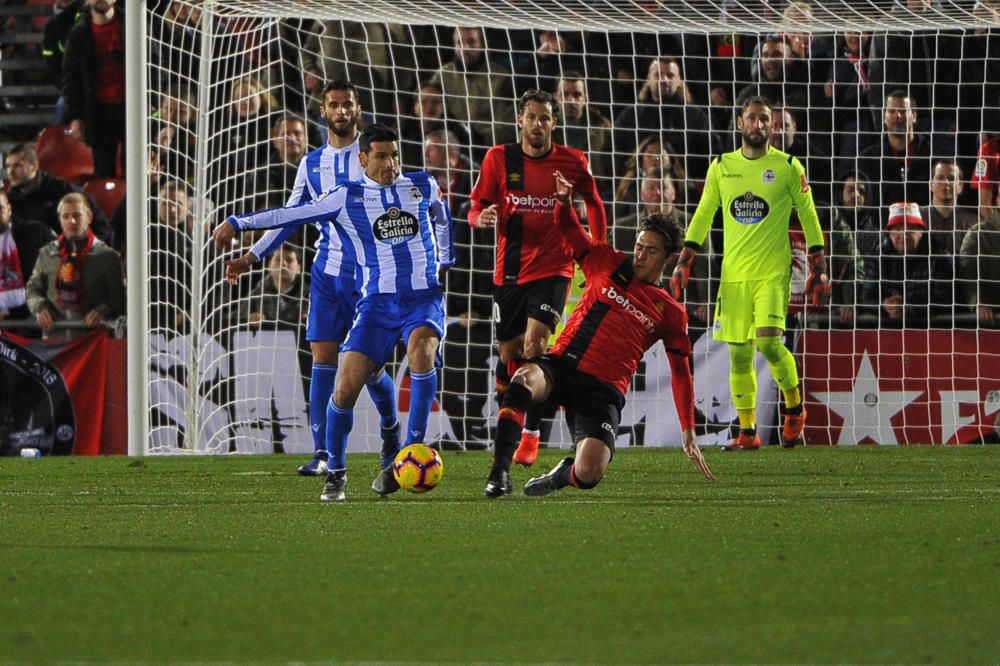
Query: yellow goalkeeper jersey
column 757, row 197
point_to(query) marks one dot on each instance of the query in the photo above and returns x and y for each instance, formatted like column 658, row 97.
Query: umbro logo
column 732, row 175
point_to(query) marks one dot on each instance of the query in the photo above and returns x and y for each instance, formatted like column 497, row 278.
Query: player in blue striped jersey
column 333, row 295
column 398, row 230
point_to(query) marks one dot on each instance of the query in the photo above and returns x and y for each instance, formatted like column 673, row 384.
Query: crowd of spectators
column 884, row 123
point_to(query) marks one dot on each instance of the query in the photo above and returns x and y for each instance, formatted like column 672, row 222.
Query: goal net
column 883, row 102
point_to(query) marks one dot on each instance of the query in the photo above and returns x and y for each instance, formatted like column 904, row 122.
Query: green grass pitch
column 816, row 555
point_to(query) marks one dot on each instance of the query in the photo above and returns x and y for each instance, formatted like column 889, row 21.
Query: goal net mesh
column 648, row 90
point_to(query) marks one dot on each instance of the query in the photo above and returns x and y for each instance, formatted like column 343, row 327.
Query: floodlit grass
column 816, row 555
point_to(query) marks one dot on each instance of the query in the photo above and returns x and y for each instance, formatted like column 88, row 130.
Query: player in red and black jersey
column 623, row 312
column 534, row 265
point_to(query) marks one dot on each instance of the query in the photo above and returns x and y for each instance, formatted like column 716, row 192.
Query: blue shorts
column 332, row 302
column 383, row 319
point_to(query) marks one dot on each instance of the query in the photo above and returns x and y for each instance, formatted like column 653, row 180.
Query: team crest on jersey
column 415, row 194
column 768, row 176
column 981, row 168
column 749, row 209
column 395, row 226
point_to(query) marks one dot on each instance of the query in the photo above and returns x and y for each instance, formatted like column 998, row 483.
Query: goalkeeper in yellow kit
column 757, row 186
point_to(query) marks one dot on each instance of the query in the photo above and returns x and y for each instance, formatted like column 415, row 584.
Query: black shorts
column 543, row 300
column 593, row 408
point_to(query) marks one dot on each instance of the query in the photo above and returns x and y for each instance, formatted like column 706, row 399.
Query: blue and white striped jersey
column 399, row 235
column 319, row 171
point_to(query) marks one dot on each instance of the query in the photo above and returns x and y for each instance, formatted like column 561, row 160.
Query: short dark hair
column 285, row 119
column 539, row 96
column 25, row 150
column 338, row 85
column 899, row 93
column 858, row 175
column 376, row 132
column 665, row 227
column 756, row 99
column 948, row 161
column 572, row 75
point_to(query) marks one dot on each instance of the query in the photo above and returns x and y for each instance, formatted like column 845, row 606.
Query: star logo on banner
column 867, row 411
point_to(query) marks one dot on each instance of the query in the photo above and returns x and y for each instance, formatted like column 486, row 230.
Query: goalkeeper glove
column 682, row 273
column 818, row 282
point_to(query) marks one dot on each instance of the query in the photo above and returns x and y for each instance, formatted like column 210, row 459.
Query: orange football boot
column 745, row 441
column 791, row 434
column 527, row 450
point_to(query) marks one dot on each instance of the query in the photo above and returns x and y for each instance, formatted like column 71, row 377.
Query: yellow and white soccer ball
column 418, row 468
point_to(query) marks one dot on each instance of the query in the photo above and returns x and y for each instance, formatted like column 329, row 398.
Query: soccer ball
column 418, row 468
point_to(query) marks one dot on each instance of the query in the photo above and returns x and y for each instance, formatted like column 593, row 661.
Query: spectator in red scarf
column 20, row 241
column 77, row 277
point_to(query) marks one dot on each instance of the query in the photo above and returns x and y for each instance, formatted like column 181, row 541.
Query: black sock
column 510, row 423
column 535, row 414
column 502, row 381
column 564, row 477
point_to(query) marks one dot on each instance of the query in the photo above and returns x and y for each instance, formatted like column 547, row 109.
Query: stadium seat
column 106, row 192
column 59, row 154
column 39, row 20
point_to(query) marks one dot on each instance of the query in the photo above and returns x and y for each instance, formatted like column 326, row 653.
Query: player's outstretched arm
column 683, row 388
column 566, row 219
column 323, row 209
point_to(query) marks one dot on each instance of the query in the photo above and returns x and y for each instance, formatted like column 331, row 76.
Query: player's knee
column 345, row 398
column 587, row 474
column 325, row 352
column 771, row 347
column 535, row 346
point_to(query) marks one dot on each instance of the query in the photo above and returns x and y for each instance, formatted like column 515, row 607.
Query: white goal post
column 223, row 97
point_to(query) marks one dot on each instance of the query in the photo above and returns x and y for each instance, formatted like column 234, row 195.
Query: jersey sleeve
column 487, row 188
column 711, row 199
column 271, row 241
column 597, row 216
column 440, row 215
column 677, row 344
column 572, row 231
column 682, row 385
column 324, row 208
column 802, row 199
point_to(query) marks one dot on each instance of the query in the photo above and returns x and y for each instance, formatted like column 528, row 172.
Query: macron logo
column 627, row 305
